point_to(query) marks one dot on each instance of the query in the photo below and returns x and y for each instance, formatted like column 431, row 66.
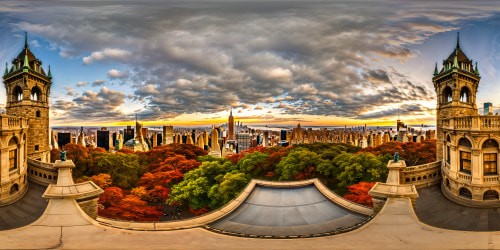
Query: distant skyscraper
column 63, row 138
column 128, row 133
column 488, row 108
column 230, row 127
column 103, row 138
column 244, row 142
column 168, row 135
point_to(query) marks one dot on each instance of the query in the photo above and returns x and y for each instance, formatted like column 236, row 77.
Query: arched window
column 447, row 94
column 14, row 189
column 17, row 94
column 13, row 154
column 465, row 149
column 465, row 95
column 36, row 94
column 464, row 192
column 490, row 195
column 490, row 157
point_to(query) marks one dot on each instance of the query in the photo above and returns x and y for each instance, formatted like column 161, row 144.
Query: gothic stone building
column 467, row 143
column 24, row 129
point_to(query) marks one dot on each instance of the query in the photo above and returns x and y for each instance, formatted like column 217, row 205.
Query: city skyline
column 187, row 63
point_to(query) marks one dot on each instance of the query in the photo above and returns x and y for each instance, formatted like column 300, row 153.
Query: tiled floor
column 24, row 211
column 436, row 210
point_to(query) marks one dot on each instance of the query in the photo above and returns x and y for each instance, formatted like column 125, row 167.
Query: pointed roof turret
column 6, row 70
column 455, row 60
column 26, row 60
column 50, row 73
column 436, row 72
column 476, row 71
column 461, row 57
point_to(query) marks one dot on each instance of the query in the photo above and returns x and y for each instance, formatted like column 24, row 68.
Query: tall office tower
column 168, row 135
column 214, row 143
column 63, row 138
column 159, row 139
column 154, row 140
column 128, row 134
column 230, row 126
column 244, row 142
column 102, row 138
column 265, row 138
column 81, row 138
column 28, row 90
column 488, row 108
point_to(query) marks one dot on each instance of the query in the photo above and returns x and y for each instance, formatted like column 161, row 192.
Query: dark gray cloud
column 318, row 58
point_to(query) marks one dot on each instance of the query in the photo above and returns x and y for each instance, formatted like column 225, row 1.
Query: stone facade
column 467, row 143
column 89, row 207
column 13, row 166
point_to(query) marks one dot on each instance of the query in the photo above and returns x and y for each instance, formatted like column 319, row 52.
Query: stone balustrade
column 8, row 122
column 42, row 173
column 422, row 175
column 477, row 122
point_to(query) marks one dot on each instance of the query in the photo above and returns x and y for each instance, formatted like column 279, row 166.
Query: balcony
column 477, row 122
column 8, row 122
column 464, row 176
column 490, row 179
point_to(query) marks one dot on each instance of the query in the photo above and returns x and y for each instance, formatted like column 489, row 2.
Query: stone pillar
column 477, row 166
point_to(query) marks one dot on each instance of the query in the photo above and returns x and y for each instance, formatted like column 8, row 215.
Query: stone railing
column 478, row 122
column 422, row 175
column 491, row 179
column 464, row 176
column 42, row 173
column 12, row 122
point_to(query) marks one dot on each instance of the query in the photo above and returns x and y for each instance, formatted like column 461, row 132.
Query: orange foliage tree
column 414, row 153
column 102, row 180
column 126, row 207
column 359, row 193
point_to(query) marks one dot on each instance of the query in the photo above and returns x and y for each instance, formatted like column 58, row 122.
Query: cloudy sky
column 275, row 62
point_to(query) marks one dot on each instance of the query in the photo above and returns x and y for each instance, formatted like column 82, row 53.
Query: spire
column 436, row 70
column 26, row 62
column 25, row 40
column 476, row 71
column 458, row 39
column 231, row 113
column 455, row 60
column 6, row 70
column 50, row 73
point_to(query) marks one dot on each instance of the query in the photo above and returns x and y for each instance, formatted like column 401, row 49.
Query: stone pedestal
column 85, row 193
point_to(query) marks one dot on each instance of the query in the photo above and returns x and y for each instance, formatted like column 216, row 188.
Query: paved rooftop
column 436, row 210
column 287, row 212
column 26, row 210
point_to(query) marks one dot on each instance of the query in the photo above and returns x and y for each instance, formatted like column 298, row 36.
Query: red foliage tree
column 158, row 184
column 359, row 193
column 132, row 208
column 102, row 180
column 414, row 153
column 177, row 162
column 198, row 212
column 111, row 196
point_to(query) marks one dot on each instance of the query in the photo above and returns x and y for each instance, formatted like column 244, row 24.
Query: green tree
column 231, row 185
column 124, row 169
column 253, row 164
column 299, row 164
column 354, row 168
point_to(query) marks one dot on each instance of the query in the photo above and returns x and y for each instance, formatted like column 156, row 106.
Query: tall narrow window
column 448, row 154
column 13, row 159
column 465, row 161
column 490, row 163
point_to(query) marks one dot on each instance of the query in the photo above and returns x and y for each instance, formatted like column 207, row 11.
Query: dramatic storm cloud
column 335, row 59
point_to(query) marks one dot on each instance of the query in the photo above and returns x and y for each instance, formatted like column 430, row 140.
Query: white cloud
column 106, row 54
column 114, row 73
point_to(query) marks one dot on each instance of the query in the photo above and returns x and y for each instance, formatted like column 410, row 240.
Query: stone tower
column 28, row 90
column 230, row 127
column 456, row 86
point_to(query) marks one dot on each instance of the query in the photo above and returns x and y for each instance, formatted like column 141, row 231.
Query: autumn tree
column 253, row 164
column 81, row 158
column 354, row 168
column 359, row 193
column 102, row 180
column 132, row 208
column 414, row 153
